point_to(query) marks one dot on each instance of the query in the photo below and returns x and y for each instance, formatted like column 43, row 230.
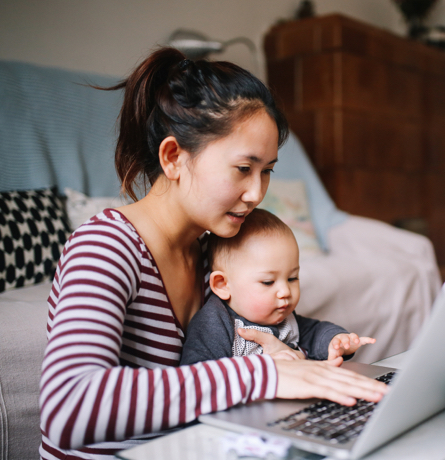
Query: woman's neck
column 172, row 240
column 161, row 221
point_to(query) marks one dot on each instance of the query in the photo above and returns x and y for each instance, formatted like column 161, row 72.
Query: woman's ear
column 219, row 284
column 171, row 157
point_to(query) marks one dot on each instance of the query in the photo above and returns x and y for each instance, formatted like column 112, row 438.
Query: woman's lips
column 237, row 217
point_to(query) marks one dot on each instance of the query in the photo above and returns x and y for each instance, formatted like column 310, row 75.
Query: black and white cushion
column 33, row 231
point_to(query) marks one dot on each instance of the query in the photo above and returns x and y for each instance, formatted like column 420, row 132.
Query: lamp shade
column 194, row 44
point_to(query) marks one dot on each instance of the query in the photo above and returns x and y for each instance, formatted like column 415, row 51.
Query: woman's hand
column 288, row 355
column 326, row 380
column 271, row 345
column 302, row 379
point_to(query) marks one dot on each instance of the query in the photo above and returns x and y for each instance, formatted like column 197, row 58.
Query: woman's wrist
column 272, row 377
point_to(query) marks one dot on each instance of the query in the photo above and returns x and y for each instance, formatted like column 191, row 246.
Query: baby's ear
column 219, row 285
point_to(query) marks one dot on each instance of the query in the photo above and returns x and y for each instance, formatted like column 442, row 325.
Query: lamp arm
column 247, row 41
column 252, row 48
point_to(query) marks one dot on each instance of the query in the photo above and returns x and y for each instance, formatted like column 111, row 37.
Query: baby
column 255, row 283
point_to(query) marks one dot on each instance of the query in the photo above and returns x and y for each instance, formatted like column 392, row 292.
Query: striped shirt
column 110, row 374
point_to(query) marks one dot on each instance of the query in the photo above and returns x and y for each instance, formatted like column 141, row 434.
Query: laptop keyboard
column 331, row 421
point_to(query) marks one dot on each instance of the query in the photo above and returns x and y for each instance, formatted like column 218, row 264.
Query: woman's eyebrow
column 255, row 159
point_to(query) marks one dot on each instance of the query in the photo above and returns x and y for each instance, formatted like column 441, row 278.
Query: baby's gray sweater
column 211, row 334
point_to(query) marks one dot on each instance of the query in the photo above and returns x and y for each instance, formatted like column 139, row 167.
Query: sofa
column 57, row 138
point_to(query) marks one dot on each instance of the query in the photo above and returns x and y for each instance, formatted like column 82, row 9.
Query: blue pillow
column 293, row 163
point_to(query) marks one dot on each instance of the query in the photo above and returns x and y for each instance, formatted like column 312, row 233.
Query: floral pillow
column 287, row 199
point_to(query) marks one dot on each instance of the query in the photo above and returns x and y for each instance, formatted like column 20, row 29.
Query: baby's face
column 263, row 278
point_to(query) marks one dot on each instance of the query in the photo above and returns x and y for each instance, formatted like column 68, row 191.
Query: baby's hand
column 346, row 344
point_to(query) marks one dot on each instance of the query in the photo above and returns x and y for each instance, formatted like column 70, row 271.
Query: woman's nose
column 255, row 191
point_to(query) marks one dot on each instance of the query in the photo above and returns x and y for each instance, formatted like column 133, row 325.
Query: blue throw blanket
column 54, row 130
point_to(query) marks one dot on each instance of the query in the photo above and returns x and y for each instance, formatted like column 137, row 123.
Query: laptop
column 417, row 393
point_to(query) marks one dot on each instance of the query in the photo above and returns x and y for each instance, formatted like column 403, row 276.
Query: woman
column 205, row 135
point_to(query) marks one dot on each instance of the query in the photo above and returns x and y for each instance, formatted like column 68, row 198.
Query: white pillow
column 287, row 199
column 81, row 207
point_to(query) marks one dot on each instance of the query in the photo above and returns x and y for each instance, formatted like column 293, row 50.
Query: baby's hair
column 197, row 102
column 258, row 222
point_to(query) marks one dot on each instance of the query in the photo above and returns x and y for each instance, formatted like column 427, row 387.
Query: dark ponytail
column 196, row 102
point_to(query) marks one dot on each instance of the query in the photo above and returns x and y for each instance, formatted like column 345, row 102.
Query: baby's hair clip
column 184, row 64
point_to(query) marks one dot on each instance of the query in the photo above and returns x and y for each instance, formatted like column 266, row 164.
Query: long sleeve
column 107, row 373
column 315, row 336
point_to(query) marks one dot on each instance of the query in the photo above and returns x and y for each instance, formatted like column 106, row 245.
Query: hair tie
column 184, row 64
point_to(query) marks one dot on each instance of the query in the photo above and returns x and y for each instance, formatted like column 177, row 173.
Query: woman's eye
column 244, row 169
column 267, row 283
column 268, row 171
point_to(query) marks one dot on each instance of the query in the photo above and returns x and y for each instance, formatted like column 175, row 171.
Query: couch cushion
column 22, row 344
column 33, row 230
column 81, row 207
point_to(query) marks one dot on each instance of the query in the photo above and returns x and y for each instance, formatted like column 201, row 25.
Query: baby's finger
column 345, row 341
column 366, row 340
column 333, row 353
column 336, row 342
column 354, row 338
column 336, row 362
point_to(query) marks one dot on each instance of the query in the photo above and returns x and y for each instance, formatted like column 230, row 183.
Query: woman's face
column 230, row 176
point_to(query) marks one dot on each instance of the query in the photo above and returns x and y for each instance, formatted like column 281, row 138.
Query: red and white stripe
column 110, row 370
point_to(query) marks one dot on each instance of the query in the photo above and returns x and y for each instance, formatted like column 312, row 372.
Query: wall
column 110, row 36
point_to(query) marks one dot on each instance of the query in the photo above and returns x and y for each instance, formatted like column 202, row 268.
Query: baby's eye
column 267, row 283
column 292, row 279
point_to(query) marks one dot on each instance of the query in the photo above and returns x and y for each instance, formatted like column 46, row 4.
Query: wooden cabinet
column 369, row 107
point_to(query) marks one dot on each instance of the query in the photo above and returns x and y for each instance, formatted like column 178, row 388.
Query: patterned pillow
column 287, row 199
column 33, row 231
column 81, row 207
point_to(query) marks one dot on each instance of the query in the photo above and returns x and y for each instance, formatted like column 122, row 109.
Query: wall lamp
column 197, row 46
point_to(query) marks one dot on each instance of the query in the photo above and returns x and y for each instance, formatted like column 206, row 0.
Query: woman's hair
column 197, row 102
column 258, row 222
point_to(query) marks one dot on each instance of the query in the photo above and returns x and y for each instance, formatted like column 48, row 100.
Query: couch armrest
column 362, row 235
column 376, row 280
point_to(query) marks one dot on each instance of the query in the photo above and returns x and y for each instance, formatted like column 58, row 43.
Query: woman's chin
column 227, row 231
